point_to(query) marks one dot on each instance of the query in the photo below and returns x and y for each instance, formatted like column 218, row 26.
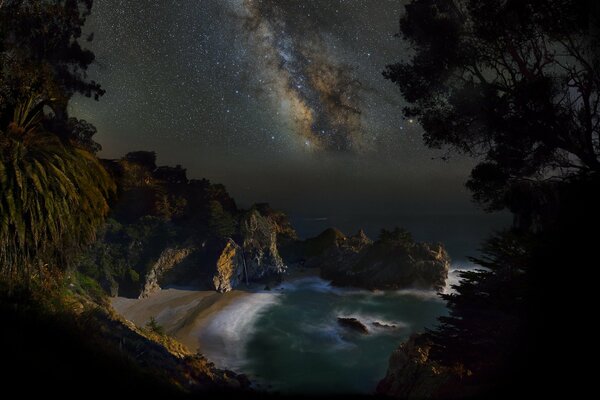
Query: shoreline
column 184, row 313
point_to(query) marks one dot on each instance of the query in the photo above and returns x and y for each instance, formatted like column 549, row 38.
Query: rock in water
column 354, row 324
column 230, row 267
column 394, row 261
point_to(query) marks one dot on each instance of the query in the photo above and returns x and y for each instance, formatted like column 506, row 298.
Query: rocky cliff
column 412, row 375
column 255, row 258
column 259, row 244
column 166, row 229
column 394, row 261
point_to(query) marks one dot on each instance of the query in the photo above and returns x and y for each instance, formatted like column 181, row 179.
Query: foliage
column 514, row 83
column 221, row 223
column 398, row 235
column 53, row 197
column 488, row 309
column 124, row 252
column 155, row 327
column 54, row 191
column 40, row 52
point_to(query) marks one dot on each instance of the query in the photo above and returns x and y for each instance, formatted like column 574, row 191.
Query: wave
column 307, row 283
column 375, row 323
column 321, row 285
column 225, row 335
column 454, row 275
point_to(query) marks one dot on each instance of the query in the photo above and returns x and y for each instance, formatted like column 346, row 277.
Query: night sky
column 281, row 101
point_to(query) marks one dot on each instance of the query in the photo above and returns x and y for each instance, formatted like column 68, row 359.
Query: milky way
column 281, row 100
column 319, row 94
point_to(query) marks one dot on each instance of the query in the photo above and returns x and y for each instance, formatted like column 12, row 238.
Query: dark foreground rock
column 412, row 375
column 353, row 324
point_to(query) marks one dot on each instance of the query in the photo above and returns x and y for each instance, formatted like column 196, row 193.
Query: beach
column 182, row 313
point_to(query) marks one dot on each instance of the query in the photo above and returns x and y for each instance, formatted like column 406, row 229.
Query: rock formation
column 412, row 375
column 394, row 261
column 230, row 267
column 169, row 259
column 259, row 244
column 255, row 258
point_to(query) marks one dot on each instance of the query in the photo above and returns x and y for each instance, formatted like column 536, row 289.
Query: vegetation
column 54, row 191
column 516, row 85
column 123, row 253
column 155, row 327
column 156, row 208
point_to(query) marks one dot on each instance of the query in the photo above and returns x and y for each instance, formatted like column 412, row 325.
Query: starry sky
column 282, row 101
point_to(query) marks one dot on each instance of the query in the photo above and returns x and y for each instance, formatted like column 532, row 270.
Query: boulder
column 353, row 324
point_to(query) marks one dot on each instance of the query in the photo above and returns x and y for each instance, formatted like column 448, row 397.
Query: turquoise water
column 288, row 340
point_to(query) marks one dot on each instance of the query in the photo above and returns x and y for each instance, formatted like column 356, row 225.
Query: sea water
column 289, row 340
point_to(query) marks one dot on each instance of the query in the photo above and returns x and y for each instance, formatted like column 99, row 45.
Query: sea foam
column 224, row 336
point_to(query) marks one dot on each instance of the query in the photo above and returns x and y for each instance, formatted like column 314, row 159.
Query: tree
column 221, row 223
column 514, row 83
column 489, row 306
column 54, row 191
column 41, row 54
column 53, row 197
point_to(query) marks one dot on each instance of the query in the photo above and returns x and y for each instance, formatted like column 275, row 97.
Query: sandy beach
column 182, row 313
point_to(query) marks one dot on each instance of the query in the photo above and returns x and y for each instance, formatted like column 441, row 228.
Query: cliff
column 168, row 230
column 255, row 258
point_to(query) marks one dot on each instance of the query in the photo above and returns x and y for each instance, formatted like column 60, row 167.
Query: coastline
column 184, row 313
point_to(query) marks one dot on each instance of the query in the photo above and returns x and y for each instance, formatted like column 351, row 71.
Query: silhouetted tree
column 41, row 53
column 514, row 83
